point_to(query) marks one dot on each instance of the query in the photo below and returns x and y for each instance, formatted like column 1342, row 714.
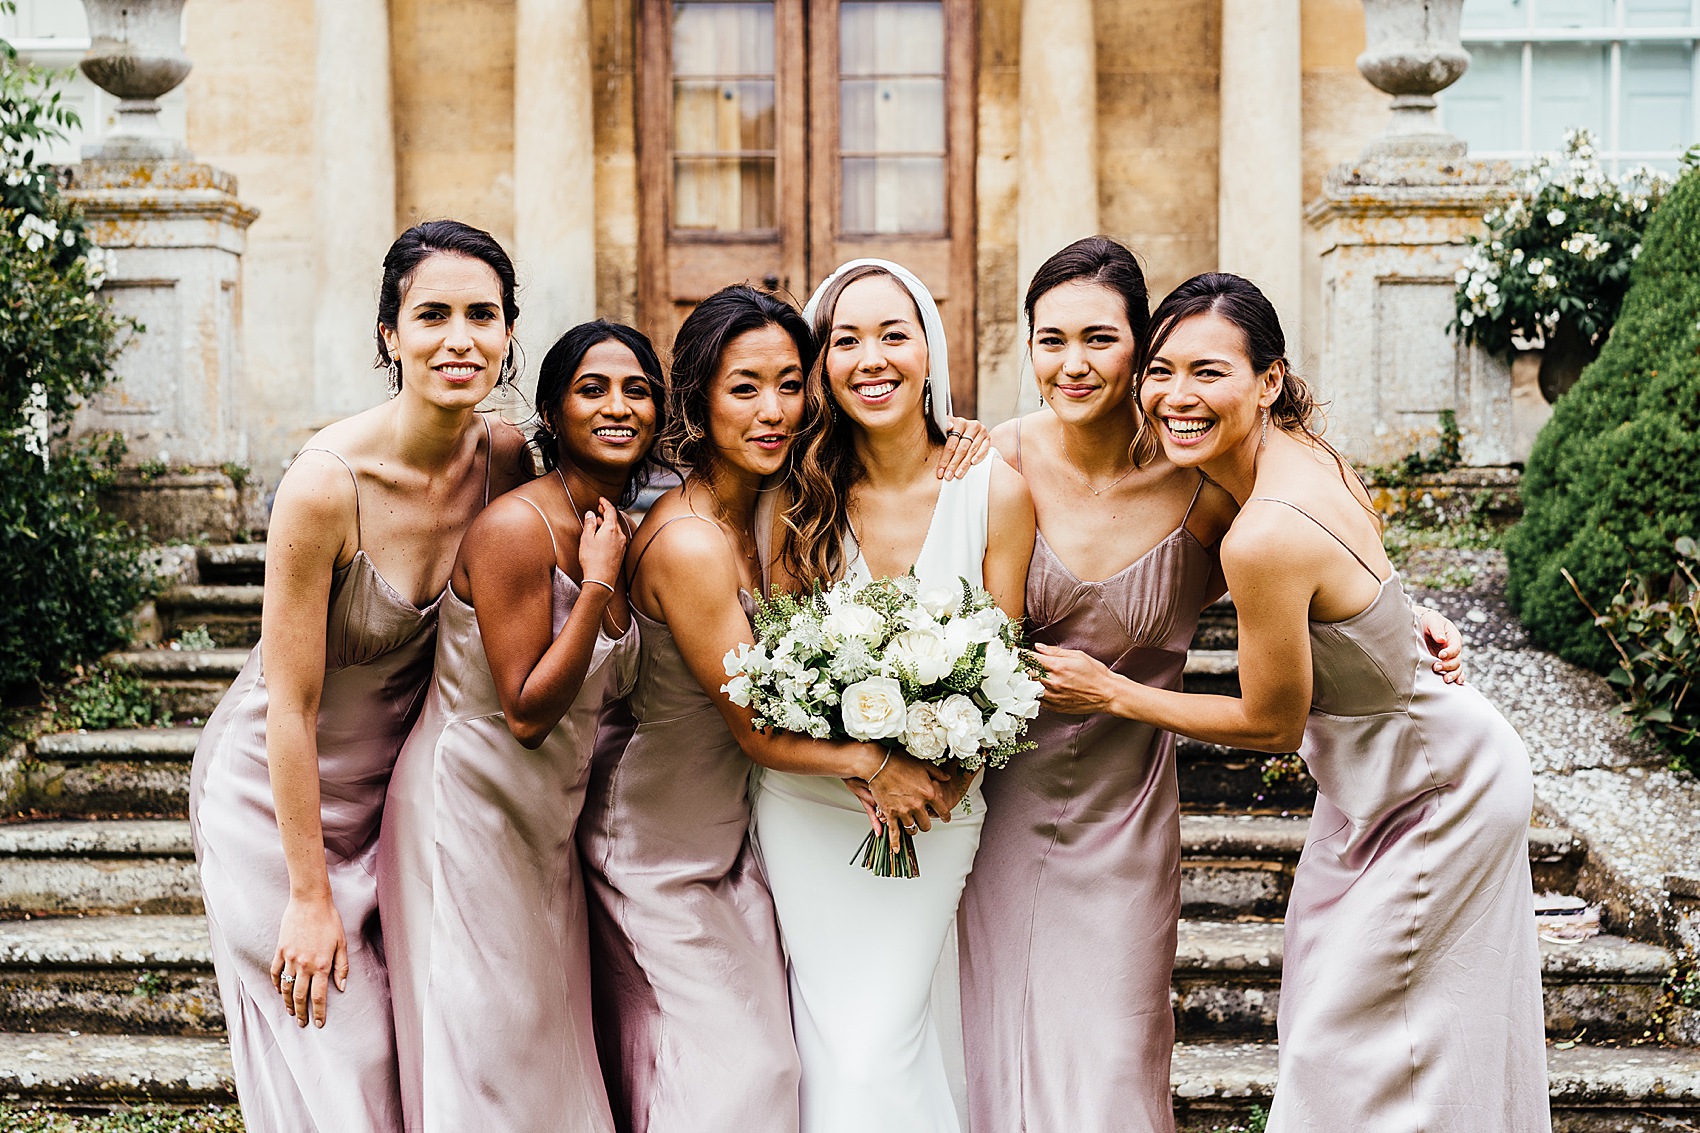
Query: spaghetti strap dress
column 1069, row 917
column 689, row 986
column 482, row 899
column 1411, row 982
column 875, row 994
column 378, row 654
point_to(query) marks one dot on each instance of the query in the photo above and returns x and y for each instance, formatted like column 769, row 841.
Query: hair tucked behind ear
column 436, row 238
column 1238, row 300
column 1107, row 263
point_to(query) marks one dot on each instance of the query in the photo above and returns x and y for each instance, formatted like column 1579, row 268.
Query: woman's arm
column 689, row 575
column 966, row 444
column 511, row 463
column 1273, row 606
column 509, row 561
column 312, row 521
column 1010, row 528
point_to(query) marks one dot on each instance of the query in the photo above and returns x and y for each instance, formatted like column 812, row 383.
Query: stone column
column 355, row 206
column 554, row 167
column 1260, row 194
column 1059, row 145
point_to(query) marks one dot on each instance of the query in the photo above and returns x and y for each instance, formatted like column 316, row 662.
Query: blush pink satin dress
column 1068, row 924
column 692, row 1019
column 483, row 901
column 1411, row 981
column 378, row 654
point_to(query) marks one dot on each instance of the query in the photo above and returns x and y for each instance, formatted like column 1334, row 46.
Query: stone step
column 139, row 866
column 136, row 975
column 1219, row 779
column 1228, row 976
column 1213, row 671
column 231, row 563
column 192, row 681
column 1218, row 626
column 127, row 771
column 1594, row 1089
column 229, row 613
column 1242, row 865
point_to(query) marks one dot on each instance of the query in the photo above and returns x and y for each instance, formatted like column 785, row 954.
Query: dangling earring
column 1264, row 439
column 507, row 375
column 927, row 398
column 392, row 376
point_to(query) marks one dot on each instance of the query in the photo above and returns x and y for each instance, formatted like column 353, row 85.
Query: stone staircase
column 107, row 995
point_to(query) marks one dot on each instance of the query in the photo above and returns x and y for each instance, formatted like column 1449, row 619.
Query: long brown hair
column 827, row 467
column 1107, row 263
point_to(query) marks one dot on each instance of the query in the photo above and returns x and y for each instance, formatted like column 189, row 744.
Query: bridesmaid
column 479, row 884
column 1411, row 992
column 692, row 1017
column 1065, row 994
column 290, row 772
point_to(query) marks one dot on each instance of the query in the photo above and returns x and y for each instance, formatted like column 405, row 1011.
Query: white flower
column 1466, row 318
column 924, row 734
column 873, row 709
column 854, row 661
column 853, row 621
column 740, row 690
column 922, row 653
column 1516, row 256
column 1555, row 217
column 962, row 725
column 38, row 423
column 940, row 600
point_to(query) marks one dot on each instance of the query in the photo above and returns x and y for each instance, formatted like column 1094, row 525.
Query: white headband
column 938, row 357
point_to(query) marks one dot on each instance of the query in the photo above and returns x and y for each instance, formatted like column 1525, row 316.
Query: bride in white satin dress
column 879, row 1042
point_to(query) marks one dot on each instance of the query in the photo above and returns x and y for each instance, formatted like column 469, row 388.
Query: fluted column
column 355, row 205
column 554, row 166
column 1059, row 136
column 1260, row 203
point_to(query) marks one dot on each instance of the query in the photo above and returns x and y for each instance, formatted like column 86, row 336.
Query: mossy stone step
column 144, row 866
column 109, row 974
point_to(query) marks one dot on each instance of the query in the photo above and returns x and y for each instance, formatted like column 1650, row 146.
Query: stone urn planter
column 136, row 54
column 1413, row 51
column 1566, row 354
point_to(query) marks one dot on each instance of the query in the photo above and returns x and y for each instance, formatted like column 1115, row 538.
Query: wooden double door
column 779, row 138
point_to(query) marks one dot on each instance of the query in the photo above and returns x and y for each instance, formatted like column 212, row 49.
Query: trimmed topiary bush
column 1614, row 478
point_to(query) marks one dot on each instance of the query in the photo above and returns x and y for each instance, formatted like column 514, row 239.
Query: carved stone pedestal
column 176, row 232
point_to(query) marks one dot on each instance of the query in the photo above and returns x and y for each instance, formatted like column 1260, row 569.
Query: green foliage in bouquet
column 1558, row 254
column 1655, row 630
column 71, row 574
column 1614, row 477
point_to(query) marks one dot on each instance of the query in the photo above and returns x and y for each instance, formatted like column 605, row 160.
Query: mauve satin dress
column 1068, row 922
column 1411, row 980
column 341, row 1079
column 483, row 902
column 692, row 1019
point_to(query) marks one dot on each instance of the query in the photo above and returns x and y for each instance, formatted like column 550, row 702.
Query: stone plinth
column 1393, row 234
column 176, row 233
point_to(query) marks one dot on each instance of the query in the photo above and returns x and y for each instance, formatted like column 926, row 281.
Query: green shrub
column 69, row 573
column 1614, row 478
column 1655, row 630
column 99, row 698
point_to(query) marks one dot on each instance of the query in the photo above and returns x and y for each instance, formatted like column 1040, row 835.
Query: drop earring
column 1264, row 439
column 392, row 377
column 507, row 375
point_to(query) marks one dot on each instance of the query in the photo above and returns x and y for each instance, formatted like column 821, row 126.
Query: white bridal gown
column 879, row 1049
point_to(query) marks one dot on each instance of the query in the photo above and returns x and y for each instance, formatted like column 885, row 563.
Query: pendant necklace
column 1062, row 436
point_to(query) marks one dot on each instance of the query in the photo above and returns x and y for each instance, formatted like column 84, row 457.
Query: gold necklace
column 1062, row 435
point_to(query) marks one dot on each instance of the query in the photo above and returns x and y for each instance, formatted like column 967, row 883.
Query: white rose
column 940, row 600
column 962, row 724
column 873, row 709
column 922, row 652
column 852, row 621
column 924, row 733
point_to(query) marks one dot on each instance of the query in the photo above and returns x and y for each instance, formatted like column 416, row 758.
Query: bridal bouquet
column 939, row 673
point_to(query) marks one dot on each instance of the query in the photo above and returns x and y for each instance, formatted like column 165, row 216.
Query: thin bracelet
column 870, row 779
column 599, row 582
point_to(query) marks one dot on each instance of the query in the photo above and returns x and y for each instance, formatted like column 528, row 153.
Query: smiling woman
column 288, row 777
column 479, row 882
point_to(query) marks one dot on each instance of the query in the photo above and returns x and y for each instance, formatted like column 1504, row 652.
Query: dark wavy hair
column 1107, row 263
column 702, row 339
column 436, row 238
column 555, row 378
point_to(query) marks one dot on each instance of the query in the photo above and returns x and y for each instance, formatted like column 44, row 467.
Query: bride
column 862, row 950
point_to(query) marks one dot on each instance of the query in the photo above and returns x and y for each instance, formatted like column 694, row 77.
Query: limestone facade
column 289, row 96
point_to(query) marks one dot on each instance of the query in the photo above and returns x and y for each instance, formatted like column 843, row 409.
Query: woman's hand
column 1446, row 643
column 966, row 443
column 602, row 545
column 952, row 789
column 1076, row 682
column 907, row 794
column 312, row 952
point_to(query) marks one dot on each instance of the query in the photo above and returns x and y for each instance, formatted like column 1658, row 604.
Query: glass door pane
column 891, row 94
column 725, row 137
